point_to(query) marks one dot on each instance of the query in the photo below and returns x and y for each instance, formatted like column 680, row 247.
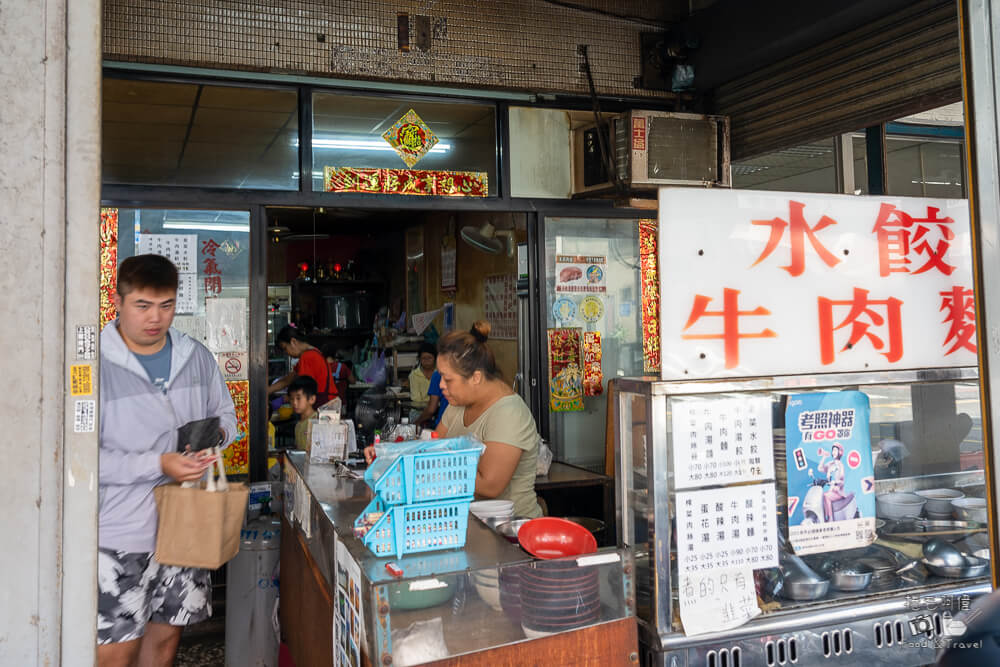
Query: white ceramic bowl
column 490, row 595
column 491, row 506
column 939, row 500
column 899, row 505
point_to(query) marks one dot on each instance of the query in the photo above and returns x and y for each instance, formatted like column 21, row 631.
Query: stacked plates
column 501, row 592
column 558, row 595
column 493, row 511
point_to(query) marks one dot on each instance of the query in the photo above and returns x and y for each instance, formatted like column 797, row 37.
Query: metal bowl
column 804, row 589
column 899, row 505
column 595, row 526
column 969, row 509
column 855, row 577
column 973, row 567
column 509, row 528
column 939, row 500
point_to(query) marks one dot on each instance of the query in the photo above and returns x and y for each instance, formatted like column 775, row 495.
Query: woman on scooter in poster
column 835, row 473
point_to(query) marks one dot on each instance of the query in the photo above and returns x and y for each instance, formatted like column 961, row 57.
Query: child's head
column 302, row 395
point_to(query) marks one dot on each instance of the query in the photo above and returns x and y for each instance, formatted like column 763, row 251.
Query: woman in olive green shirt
column 481, row 404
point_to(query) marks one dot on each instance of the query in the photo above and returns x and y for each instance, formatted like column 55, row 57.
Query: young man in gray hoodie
column 154, row 379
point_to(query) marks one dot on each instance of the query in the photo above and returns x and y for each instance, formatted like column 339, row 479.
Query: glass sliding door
column 592, row 284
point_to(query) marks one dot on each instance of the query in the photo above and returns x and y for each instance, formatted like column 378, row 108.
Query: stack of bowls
column 493, row 512
column 938, row 505
column 487, row 583
column 558, row 595
column 510, row 593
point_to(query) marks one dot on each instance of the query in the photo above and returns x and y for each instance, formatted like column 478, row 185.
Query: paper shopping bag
column 199, row 528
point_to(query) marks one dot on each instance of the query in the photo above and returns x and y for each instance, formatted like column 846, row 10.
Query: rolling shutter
column 901, row 64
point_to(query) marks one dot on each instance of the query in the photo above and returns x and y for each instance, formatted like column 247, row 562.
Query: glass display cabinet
column 489, row 597
column 851, row 560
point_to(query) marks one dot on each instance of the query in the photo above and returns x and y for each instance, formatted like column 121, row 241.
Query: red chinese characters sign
column 406, row 182
column 770, row 283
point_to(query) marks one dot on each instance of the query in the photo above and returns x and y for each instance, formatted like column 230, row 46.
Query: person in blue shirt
column 431, row 415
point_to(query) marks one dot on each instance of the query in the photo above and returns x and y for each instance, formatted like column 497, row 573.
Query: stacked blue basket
column 421, row 498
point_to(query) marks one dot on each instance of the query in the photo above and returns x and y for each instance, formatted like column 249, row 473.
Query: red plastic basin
column 549, row 537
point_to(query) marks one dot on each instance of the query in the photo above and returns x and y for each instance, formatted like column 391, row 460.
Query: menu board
column 721, row 441
column 728, row 528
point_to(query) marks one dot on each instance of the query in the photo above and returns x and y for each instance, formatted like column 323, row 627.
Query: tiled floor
column 202, row 651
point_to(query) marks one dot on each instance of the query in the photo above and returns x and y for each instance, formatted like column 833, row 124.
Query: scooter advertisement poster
column 831, row 479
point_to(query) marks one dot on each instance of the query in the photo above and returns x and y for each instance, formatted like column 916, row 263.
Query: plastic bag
column 422, row 642
column 544, row 459
column 375, row 372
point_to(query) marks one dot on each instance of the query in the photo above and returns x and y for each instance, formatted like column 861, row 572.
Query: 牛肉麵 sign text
column 776, row 283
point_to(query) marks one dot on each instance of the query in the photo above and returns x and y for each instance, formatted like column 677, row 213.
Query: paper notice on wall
column 719, row 600
column 421, row 320
column 500, row 305
column 187, row 293
column 195, row 326
column 84, row 416
column 721, row 441
column 726, row 529
column 448, row 256
column 303, row 501
column 227, row 325
column 181, row 249
column 586, row 274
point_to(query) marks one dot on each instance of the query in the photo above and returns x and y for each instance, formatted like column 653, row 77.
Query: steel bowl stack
column 558, row 595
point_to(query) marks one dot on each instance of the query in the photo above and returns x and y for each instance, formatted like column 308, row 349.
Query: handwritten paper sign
column 772, row 283
column 227, row 324
column 721, row 441
column 716, row 600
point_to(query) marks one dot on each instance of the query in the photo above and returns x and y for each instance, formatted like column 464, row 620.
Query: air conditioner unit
column 651, row 149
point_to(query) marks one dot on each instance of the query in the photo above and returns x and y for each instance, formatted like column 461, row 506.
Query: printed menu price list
column 728, row 528
column 721, row 441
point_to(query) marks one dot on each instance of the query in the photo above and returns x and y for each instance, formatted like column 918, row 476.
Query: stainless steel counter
column 335, row 502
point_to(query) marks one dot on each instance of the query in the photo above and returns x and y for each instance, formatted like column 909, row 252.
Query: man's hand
column 183, row 468
column 369, row 454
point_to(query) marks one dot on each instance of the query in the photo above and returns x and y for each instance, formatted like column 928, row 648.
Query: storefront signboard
column 721, row 441
column 831, row 479
column 782, row 283
column 406, row 181
column 727, row 528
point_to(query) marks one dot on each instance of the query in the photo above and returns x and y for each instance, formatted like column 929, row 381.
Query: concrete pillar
column 50, row 54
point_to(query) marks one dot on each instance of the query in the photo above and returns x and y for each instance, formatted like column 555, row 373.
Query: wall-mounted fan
column 488, row 239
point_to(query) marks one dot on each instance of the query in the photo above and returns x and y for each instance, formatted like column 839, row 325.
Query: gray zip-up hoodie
column 139, row 424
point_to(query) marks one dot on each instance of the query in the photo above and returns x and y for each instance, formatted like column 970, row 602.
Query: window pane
column 807, row 168
column 347, row 132
column 924, row 167
column 860, row 164
column 199, row 135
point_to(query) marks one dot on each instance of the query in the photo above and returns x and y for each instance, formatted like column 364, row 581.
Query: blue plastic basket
column 432, row 476
column 409, row 529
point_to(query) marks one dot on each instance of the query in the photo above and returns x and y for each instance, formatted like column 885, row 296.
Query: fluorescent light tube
column 208, row 226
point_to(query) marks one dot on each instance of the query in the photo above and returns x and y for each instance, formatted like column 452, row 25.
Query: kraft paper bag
column 199, row 528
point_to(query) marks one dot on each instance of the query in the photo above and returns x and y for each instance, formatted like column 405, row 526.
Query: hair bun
column 481, row 330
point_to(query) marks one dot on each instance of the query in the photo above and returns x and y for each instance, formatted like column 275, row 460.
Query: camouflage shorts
column 133, row 589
